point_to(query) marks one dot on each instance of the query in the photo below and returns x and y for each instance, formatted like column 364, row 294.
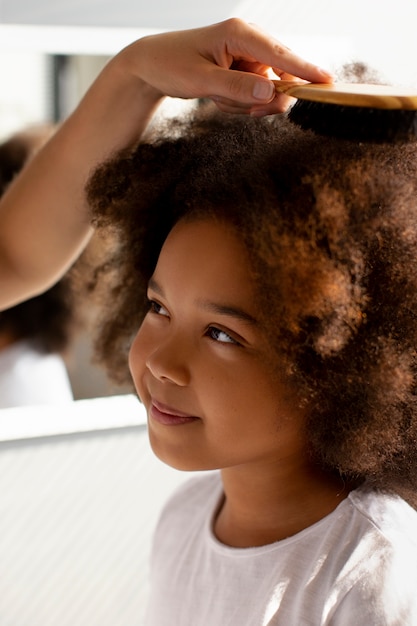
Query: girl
column 44, row 220
column 268, row 280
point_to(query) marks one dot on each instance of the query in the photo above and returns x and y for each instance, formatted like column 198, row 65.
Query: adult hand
column 229, row 62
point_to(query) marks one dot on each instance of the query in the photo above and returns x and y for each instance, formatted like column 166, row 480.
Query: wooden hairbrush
column 356, row 111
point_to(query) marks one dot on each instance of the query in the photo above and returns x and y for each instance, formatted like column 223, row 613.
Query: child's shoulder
column 376, row 579
column 390, row 516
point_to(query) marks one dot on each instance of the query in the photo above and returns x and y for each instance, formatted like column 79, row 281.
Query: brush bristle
column 355, row 123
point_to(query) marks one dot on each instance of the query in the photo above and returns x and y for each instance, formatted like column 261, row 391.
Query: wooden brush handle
column 350, row 94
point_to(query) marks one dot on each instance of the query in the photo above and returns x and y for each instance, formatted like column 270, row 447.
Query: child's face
column 201, row 359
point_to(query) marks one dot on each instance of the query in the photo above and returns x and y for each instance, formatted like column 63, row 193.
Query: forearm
column 44, row 221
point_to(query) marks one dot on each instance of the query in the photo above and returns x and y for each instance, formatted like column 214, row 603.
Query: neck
column 268, row 504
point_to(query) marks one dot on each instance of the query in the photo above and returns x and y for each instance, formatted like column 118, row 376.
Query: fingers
column 268, row 50
column 239, row 58
column 241, row 92
column 230, row 62
column 278, row 105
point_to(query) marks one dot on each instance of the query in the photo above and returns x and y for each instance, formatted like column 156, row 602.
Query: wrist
column 133, row 65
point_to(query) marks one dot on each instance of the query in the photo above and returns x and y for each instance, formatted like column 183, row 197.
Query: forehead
column 206, row 253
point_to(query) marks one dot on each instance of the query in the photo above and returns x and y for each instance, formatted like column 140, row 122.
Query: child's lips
column 169, row 416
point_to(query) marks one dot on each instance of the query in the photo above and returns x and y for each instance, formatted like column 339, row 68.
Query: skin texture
column 201, row 363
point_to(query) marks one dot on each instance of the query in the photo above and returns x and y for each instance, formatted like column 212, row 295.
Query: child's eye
column 220, row 335
column 157, row 308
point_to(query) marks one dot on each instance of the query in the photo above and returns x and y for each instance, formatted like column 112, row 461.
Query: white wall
column 127, row 13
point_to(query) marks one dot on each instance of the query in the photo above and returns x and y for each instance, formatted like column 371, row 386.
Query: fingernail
column 263, row 90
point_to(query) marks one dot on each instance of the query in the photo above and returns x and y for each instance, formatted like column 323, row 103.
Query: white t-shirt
column 355, row 567
column 29, row 377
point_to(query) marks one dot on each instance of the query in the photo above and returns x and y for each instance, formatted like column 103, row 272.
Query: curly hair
column 331, row 231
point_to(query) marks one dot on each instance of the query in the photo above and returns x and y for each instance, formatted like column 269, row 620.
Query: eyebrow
column 213, row 307
column 229, row 311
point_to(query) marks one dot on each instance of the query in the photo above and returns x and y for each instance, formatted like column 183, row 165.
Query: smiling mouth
column 169, row 416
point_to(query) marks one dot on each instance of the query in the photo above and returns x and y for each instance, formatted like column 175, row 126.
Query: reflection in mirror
column 39, row 88
column 42, row 88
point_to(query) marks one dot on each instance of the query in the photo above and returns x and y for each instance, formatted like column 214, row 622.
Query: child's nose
column 168, row 363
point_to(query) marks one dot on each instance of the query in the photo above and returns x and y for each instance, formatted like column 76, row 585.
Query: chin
column 177, row 459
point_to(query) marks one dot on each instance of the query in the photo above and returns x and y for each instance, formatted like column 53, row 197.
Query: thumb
column 242, row 87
